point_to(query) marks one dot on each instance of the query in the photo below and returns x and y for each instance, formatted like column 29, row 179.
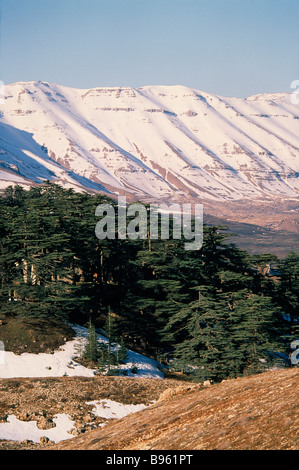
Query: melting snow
column 110, row 409
column 62, row 362
column 16, row 430
column 57, row 365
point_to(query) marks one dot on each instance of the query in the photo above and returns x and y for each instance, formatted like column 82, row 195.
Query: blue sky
column 227, row 47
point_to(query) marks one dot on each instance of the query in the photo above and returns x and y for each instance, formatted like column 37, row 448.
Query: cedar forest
column 212, row 313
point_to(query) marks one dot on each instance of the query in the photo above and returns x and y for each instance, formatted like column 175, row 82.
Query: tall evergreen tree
column 215, row 310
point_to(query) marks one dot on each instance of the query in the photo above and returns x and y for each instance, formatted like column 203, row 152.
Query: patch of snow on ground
column 62, row 362
column 58, row 364
column 110, row 409
column 16, row 430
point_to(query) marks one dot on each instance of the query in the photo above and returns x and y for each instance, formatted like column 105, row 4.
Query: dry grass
column 40, row 399
column 251, row 413
column 33, row 335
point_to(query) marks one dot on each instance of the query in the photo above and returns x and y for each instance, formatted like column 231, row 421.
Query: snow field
column 139, row 139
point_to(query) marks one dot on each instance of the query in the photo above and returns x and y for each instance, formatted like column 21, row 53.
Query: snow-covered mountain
column 154, row 142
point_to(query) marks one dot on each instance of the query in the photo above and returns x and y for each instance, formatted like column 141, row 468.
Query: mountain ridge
column 156, row 144
column 154, row 141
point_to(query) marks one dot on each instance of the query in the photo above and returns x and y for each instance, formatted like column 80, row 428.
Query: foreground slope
column 257, row 413
column 30, row 407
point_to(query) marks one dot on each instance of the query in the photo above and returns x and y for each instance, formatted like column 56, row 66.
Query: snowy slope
column 63, row 362
column 158, row 142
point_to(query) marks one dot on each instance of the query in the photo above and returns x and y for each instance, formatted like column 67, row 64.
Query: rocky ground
column 259, row 412
column 40, row 399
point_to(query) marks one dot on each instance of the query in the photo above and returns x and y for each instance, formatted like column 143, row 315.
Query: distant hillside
column 237, row 157
column 258, row 239
column 162, row 142
column 255, row 413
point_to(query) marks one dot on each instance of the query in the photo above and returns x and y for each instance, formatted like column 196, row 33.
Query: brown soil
column 252, row 413
column 261, row 227
column 258, row 412
column 40, row 399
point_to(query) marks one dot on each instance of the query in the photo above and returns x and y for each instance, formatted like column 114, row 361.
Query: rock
column 190, row 113
column 24, row 416
column 207, row 383
column 77, row 431
column 88, row 419
column 27, row 441
column 3, row 418
column 44, row 440
column 73, row 431
column 45, row 423
column 81, row 430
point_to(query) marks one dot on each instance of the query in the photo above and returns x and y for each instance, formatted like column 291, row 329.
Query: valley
column 258, row 227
